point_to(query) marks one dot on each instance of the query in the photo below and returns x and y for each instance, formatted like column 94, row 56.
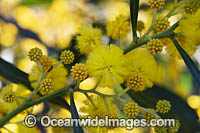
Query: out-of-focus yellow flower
column 107, row 63
column 188, row 45
column 88, row 84
column 26, row 17
column 21, row 128
column 42, row 22
column 57, row 74
column 26, row 44
column 119, row 27
column 194, row 101
column 190, row 28
column 8, row 34
column 89, row 39
column 6, row 108
column 9, row 128
column 189, row 39
column 160, row 75
column 113, row 8
column 7, row 6
column 7, row 94
column 98, row 109
column 140, row 62
column 174, row 70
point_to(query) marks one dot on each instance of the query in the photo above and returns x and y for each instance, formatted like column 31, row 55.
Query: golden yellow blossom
column 108, row 64
column 57, row 74
column 118, row 28
column 89, row 39
column 140, row 62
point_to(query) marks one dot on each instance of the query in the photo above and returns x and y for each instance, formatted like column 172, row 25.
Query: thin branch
column 107, row 107
column 165, row 34
column 24, row 106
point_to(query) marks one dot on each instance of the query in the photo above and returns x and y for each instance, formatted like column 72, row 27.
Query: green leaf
column 180, row 109
column 134, row 6
column 15, row 75
column 35, row 2
column 74, row 113
column 189, row 63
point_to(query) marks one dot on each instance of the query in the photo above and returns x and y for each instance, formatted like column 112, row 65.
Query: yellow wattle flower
column 98, row 110
column 119, row 27
column 7, row 94
column 107, row 63
column 140, row 62
column 57, row 74
column 189, row 37
column 89, row 39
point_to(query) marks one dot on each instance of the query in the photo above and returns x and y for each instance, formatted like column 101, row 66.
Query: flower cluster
column 109, row 64
column 118, row 28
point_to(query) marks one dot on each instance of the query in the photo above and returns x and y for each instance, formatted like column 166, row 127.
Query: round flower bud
column 35, row 54
column 9, row 96
column 46, row 62
column 174, row 129
column 46, row 86
column 192, row 6
column 67, row 57
column 131, row 109
column 157, row 4
column 140, row 25
column 161, row 24
column 163, row 106
column 136, row 83
column 155, row 46
column 158, row 129
column 79, row 72
column 148, row 116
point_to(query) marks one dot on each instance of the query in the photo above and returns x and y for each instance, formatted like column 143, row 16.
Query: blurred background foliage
column 52, row 25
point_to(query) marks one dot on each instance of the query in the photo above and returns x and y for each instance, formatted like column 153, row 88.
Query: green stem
column 95, row 92
column 26, row 105
column 165, row 34
column 150, row 111
column 151, row 27
column 107, row 107
column 36, row 89
column 177, row 12
column 174, row 8
column 124, row 91
column 88, row 97
column 97, row 84
column 42, row 76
